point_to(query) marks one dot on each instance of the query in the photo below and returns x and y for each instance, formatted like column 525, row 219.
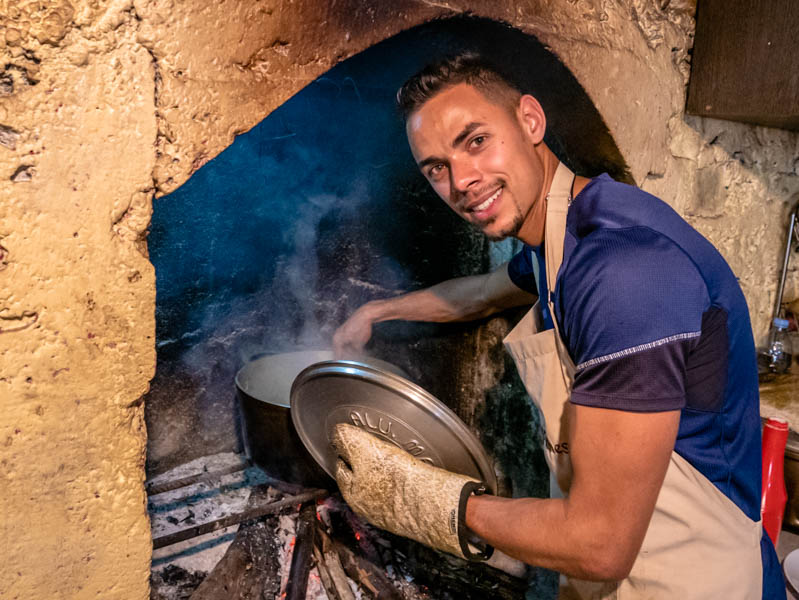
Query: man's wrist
column 472, row 546
column 470, row 512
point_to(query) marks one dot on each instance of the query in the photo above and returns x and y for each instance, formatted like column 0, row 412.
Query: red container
column 772, row 505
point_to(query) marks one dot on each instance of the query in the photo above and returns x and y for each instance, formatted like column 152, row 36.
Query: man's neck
column 532, row 230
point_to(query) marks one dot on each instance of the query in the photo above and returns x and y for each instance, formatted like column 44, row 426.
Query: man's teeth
column 488, row 202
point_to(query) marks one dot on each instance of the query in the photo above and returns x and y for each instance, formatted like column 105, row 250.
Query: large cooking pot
column 263, row 387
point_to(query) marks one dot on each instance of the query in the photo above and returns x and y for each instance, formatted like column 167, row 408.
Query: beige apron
column 699, row 544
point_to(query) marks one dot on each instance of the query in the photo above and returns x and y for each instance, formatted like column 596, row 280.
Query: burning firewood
column 332, row 575
column 360, row 570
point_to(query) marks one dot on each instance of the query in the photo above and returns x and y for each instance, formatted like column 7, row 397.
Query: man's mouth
column 486, row 204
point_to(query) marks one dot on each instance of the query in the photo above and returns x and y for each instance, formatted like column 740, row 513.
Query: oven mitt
column 401, row 494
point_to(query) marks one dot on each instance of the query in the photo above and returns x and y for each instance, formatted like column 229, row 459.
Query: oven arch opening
column 319, row 208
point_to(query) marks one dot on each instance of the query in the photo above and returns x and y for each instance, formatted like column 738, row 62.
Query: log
column 361, row 570
column 324, row 576
column 332, row 574
column 303, row 552
column 250, row 569
column 159, row 488
column 253, row 512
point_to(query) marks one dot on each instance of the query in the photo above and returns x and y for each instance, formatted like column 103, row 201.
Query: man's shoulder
column 631, row 267
column 613, row 224
column 608, row 204
column 608, row 210
column 629, row 248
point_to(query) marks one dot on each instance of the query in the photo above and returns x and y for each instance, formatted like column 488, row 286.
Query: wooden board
column 745, row 64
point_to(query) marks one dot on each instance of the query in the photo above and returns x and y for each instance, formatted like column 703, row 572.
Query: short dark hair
column 466, row 67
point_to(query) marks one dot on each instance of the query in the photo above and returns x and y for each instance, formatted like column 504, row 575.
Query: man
column 639, row 354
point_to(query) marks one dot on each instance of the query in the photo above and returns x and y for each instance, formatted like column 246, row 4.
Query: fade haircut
column 466, row 67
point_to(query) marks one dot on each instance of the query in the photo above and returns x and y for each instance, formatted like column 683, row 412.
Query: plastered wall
column 104, row 104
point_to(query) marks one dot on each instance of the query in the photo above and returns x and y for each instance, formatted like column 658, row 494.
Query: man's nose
column 464, row 175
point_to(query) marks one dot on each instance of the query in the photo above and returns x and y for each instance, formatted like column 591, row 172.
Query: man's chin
column 497, row 234
column 497, row 237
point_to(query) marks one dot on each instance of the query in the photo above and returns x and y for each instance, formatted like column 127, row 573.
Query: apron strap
column 558, row 200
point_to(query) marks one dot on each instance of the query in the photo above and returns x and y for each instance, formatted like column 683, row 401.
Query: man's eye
column 435, row 171
column 478, row 140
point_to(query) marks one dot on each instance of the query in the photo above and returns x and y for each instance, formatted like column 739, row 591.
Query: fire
column 357, row 536
column 291, row 543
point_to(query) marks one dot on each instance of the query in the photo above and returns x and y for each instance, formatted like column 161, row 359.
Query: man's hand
column 350, row 338
column 398, row 493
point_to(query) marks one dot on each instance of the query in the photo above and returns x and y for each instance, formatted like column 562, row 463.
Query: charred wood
column 302, row 555
column 332, row 575
column 174, row 583
column 254, row 512
column 154, row 488
column 446, row 577
column 250, row 569
column 370, row 577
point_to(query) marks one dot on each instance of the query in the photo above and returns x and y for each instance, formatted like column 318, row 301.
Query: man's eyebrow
column 429, row 160
column 465, row 132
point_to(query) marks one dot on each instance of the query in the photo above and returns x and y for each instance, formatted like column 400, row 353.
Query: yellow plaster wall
column 76, row 302
column 106, row 103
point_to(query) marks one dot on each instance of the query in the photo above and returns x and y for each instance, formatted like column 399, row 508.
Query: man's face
column 479, row 158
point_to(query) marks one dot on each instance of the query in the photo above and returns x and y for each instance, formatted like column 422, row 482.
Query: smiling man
column 482, row 163
column 639, row 355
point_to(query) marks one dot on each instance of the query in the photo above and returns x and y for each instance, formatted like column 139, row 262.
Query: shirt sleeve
column 632, row 312
column 522, row 271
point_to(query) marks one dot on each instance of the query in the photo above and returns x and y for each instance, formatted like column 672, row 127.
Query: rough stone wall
column 105, row 102
column 738, row 185
column 734, row 182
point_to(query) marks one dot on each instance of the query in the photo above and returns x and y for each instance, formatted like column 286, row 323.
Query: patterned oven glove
column 396, row 492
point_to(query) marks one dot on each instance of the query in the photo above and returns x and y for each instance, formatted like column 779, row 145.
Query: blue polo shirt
column 654, row 320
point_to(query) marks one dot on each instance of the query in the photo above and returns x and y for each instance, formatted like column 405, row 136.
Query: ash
column 253, row 559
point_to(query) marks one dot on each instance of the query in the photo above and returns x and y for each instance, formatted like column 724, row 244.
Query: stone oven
column 320, row 208
column 108, row 108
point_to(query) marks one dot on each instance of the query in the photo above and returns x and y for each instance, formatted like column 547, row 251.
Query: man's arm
column 460, row 299
column 619, row 461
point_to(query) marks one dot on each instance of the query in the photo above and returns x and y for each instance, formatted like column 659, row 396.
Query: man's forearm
column 541, row 532
column 619, row 462
column 459, row 299
column 453, row 300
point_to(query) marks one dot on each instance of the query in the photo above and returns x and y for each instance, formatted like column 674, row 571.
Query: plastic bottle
column 772, row 504
column 780, row 352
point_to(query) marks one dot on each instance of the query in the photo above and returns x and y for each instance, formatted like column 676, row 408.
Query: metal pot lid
column 389, row 406
column 269, row 378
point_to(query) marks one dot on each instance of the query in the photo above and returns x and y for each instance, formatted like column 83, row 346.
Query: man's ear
column 532, row 119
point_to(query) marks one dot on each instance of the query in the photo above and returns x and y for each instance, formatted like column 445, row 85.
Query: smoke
column 301, row 270
column 324, row 277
